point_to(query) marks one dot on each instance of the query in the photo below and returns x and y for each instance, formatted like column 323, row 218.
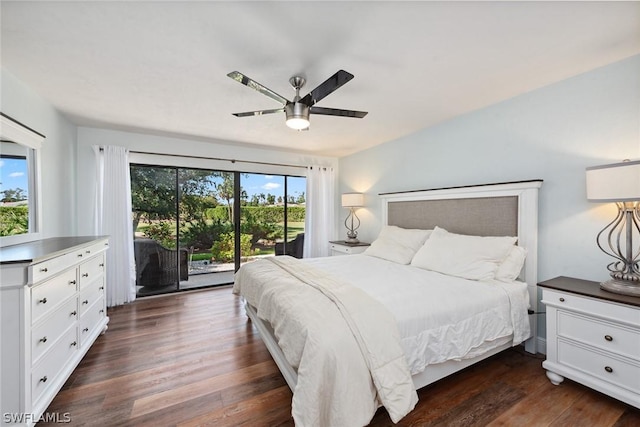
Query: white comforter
column 440, row 317
column 344, row 344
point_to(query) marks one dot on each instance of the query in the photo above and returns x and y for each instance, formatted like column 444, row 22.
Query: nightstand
column 593, row 337
column 341, row 247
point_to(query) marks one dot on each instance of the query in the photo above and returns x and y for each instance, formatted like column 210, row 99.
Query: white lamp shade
column 352, row 200
column 617, row 182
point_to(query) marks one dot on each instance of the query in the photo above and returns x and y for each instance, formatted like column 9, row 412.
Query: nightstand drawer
column 592, row 307
column 613, row 370
column 609, row 337
column 346, row 249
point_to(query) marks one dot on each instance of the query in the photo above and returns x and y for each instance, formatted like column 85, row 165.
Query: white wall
column 552, row 133
column 136, row 142
column 58, row 153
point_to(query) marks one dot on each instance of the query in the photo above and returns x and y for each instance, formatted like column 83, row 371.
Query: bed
column 343, row 332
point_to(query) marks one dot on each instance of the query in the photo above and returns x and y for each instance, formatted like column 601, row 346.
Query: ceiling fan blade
column 337, row 112
column 258, row 113
column 241, row 78
column 327, row 88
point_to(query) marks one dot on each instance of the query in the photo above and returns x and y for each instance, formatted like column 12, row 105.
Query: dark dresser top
column 345, row 243
column 39, row 250
column 588, row 288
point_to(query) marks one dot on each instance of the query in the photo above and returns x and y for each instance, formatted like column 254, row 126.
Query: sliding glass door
column 195, row 227
column 271, row 216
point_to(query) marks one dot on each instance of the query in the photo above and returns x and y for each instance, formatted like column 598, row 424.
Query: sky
column 274, row 184
column 13, row 174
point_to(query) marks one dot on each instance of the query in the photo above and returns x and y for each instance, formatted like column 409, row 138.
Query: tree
column 271, row 199
column 13, row 195
column 152, row 193
column 300, row 200
column 224, row 190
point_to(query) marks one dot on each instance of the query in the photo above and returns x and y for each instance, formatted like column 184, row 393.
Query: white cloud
column 16, row 174
column 271, row 186
column 1, row 163
column 268, row 177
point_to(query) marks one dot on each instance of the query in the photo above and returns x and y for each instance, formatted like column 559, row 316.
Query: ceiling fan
column 298, row 110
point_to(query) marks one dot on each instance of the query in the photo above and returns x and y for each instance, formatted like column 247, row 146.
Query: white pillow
column 509, row 269
column 397, row 244
column 469, row 257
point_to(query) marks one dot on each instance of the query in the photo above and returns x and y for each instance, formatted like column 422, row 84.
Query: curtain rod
column 216, row 158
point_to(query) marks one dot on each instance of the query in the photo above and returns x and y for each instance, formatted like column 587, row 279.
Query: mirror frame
column 14, row 131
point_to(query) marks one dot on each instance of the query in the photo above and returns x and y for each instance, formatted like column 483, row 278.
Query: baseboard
column 541, row 345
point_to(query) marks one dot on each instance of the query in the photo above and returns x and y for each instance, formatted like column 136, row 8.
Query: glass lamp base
column 624, row 287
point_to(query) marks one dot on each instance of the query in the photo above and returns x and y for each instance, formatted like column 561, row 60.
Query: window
column 19, row 182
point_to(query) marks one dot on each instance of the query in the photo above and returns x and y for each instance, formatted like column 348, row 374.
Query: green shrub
column 223, row 249
column 161, row 232
column 201, row 234
column 14, row 220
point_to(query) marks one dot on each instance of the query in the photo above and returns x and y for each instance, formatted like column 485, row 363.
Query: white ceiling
column 160, row 67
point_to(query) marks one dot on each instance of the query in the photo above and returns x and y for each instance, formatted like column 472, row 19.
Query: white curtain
column 113, row 219
column 319, row 215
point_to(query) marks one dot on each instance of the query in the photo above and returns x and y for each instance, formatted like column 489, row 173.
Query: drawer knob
column 73, row 313
column 73, row 344
column 87, row 252
column 85, row 275
column 85, row 301
column 101, row 288
column 101, row 311
column 43, row 339
column 101, row 265
column 561, row 299
column 85, row 330
column 44, row 379
column 43, row 301
column 608, row 337
column 72, row 282
column 609, row 369
column 44, row 270
column 79, row 255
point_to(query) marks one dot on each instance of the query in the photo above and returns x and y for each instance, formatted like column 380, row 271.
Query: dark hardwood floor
column 194, row 359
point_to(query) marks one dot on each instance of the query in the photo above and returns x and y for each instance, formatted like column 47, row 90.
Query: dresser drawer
column 90, row 320
column 592, row 307
column 48, row 368
column 91, row 270
column 601, row 334
column 48, row 295
column 91, row 294
column 51, row 328
column 95, row 248
column 600, row 365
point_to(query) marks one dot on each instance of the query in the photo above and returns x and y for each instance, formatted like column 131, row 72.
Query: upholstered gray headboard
column 505, row 209
column 482, row 216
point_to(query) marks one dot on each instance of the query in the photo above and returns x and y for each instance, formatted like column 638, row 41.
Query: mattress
column 439, row 317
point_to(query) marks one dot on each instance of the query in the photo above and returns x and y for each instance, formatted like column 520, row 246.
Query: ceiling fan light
column 297, row 123
column 297, row 115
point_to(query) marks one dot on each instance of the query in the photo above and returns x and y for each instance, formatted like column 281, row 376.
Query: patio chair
column 157, row 266
column 294, row 247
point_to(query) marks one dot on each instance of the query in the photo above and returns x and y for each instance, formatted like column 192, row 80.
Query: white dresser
column 52, row 308
column 593, row 337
